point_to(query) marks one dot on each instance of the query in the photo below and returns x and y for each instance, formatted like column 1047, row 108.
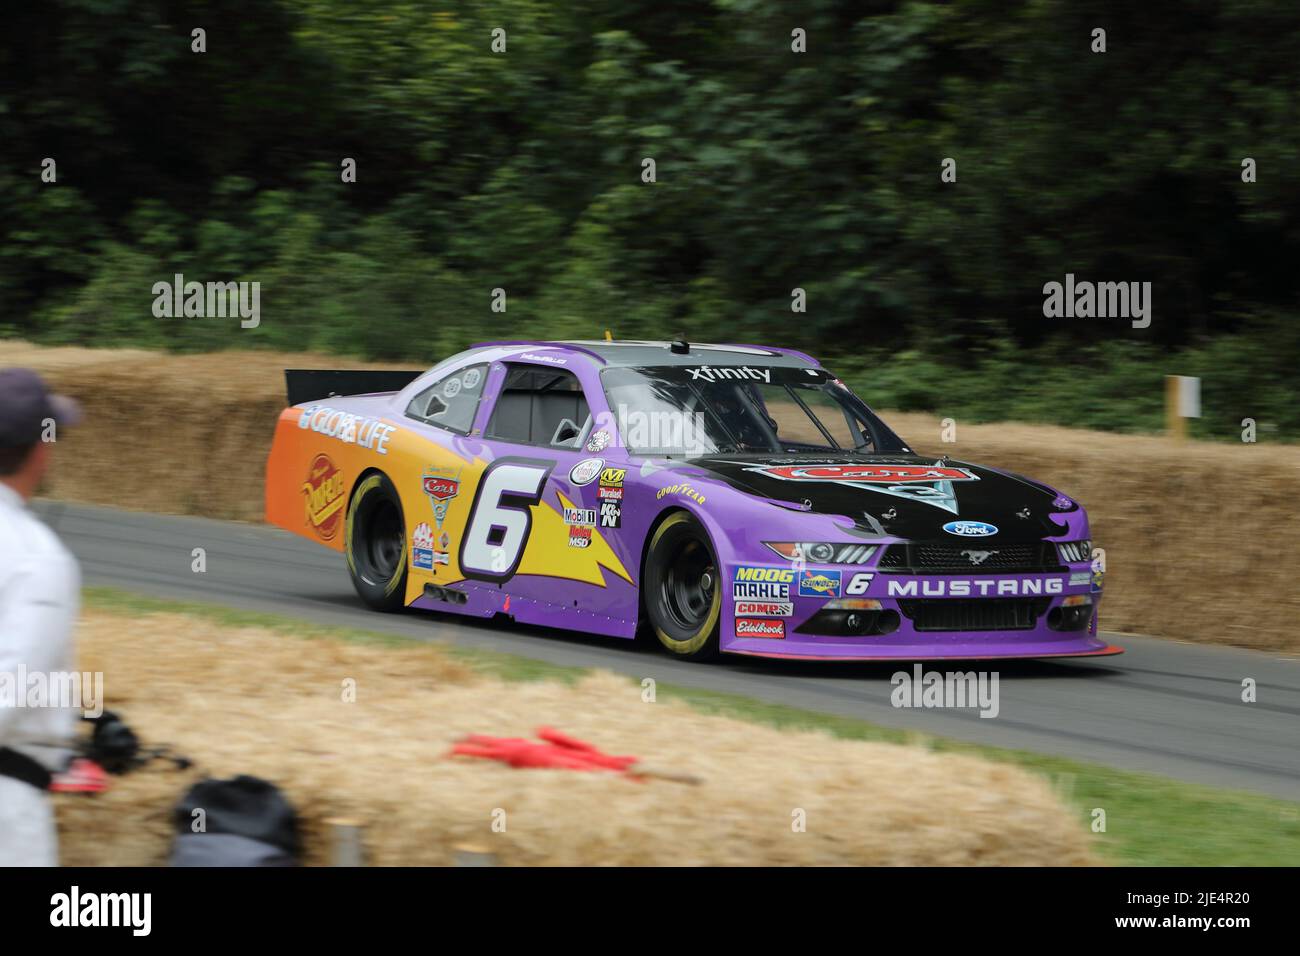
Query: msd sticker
column 769, row 627
column 823, row 584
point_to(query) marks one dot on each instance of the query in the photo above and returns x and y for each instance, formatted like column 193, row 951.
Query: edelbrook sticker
column 760, row 627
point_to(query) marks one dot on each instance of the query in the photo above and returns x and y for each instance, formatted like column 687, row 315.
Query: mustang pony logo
column 931, row 484
column 978, row 557
column 323, row 497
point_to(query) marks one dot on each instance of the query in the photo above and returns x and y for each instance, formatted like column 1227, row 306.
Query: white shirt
column 40, row 596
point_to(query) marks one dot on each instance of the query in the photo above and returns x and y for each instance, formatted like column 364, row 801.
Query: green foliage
column 522, row 171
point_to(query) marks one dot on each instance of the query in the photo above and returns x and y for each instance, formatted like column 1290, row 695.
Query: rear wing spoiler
column 311, row 385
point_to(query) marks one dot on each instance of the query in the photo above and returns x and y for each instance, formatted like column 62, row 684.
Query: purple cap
column 26, row 404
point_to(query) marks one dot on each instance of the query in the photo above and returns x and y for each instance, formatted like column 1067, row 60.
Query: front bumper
column 1033, row 617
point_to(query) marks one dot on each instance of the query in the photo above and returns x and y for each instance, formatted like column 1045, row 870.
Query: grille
column 949, row 558
column 991, row 614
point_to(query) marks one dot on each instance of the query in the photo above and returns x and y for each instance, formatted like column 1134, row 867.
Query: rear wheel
column 376, row 544
column 682, row 588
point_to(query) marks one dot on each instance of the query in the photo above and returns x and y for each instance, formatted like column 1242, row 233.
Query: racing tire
column 682, row 588
column 376, row 543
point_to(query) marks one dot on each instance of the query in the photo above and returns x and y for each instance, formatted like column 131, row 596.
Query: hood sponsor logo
column 760, row 627
column 930, row 484
column 976, row 587
column 722, row 373
column 323, row 497
column 764, row 609
column 585, row 471
column 824, row 584
column 971, row 529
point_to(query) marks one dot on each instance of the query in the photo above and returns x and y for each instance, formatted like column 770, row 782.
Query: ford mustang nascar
column 735, row 499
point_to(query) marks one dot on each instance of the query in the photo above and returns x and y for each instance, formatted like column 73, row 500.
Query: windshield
column 702, row 410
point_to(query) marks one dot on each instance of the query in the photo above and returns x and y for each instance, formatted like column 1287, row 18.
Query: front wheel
column 376, row 544
column 682, row 588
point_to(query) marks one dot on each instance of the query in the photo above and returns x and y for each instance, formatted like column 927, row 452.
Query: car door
column 536, row 527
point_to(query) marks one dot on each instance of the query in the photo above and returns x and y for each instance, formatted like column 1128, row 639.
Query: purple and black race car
column 726, row 498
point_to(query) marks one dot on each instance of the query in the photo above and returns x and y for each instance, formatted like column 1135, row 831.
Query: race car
column 724, row 498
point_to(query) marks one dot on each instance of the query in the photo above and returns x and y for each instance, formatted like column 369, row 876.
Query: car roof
column 647, row 353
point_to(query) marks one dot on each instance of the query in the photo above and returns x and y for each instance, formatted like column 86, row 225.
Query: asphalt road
column 1165, row 707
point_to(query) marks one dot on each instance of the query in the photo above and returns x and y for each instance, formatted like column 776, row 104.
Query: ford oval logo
column 971, row 529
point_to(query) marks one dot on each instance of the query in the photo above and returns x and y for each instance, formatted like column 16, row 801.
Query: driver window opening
column 540, row 406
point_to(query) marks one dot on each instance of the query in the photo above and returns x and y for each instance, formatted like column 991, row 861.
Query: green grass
column 1150, row 820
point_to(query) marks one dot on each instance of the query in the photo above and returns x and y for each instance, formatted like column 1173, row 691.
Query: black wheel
column 376, row 544
column 682, row 588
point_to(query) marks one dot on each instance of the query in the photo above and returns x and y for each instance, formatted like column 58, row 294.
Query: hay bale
column 253, row 701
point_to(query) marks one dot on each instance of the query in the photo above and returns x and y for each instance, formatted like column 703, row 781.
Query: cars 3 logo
column 441, row 489
column 323, row 497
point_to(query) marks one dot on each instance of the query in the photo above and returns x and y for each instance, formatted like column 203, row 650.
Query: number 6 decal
column 500, row 519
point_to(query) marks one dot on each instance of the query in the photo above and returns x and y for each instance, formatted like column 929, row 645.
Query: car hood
column 905, row 496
